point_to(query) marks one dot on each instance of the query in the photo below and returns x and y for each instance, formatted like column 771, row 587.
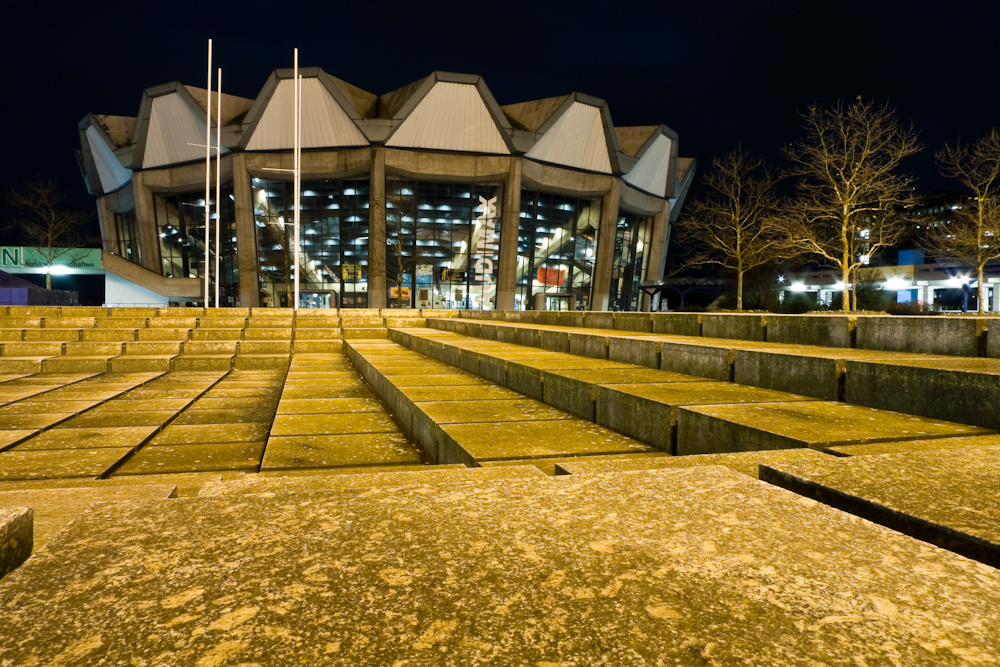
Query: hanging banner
column 555, row 277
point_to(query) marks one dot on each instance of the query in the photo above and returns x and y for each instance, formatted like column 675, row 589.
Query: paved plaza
column 237, row 486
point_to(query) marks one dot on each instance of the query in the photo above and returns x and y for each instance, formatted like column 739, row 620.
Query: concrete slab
column 10, row 438
column 303, row 406
column 460, row 393
column 227, row 416
column 89, row 438
column 128, row 404
column 365, row 422
column 595, row 561
column 575, row 391
column 550, row 466
column 116, row 419
column 964, row 390
column 187, row 484
column 527, row 440
column 944, row 497
column 354, row 390
column 899, row 447
column 359, row 470
column 194, row 458
column 466, row 412
column 20, row 422
column 439, row 380
column 54, row 508
column 747, row 463
column 203, row 434
column 649, row 411
column 324, row 451
column 60, row 463
column 34, row 407
column 815, row 424
column 16, row 537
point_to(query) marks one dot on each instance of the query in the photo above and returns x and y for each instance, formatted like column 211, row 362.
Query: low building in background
column 430, row 196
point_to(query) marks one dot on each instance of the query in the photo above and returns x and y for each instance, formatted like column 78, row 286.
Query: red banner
column 551, row 276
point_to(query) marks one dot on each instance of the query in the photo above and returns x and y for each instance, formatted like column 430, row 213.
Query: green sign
column 37, row 258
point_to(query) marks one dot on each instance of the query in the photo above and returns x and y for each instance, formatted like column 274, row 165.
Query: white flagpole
column 297, row 111
column 218, row 185
column 208, row 164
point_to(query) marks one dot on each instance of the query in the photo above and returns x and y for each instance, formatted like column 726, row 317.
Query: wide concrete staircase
column 227, row 487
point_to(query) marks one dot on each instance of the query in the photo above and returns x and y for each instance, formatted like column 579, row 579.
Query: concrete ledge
column 952, row 336
column 815, row 376
column 638, row 351
column 993, row 337
column 741, row 326
column 16, row 537
column 714, row 363
column 637, row 322
column 962, row 390
column 825, row 330
column 677, row 324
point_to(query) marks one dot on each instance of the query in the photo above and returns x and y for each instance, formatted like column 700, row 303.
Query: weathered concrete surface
column 88, row 438
column 575, row 391
column 649, row 412
column 465, row 412
column 964, row 390
column 747, row 463
column 204, row 434
column 967, row 442
column 16, row 537
column 677, row 324
column 332, row 424
column 211, row 457
column 10, row 438
column 944, row 497
column 370, row 478
column 814, row 424
column 993, row 338
column 955, row 336
column 741, row 326
column 328, row 451
column 58, row 463
column 825, row 330
column 528, row 440
column 509, row 572
column 54, row 508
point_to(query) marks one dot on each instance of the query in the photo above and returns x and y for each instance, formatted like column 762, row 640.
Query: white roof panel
column 173, row 127
column 111, row 172
column 576, row 139
column 451, row 117
column 324, row 123
column 650, row 172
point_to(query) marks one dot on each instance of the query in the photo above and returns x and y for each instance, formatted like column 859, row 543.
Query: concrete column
column 996, row 297
column 657, row 251
column 109, row 234
column 510, row 218
column 246, row 234
column 606, row 247
column 376, row 230
column 145, row 220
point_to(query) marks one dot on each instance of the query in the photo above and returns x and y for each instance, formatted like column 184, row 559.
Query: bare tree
column 56, row 232
column 972, row 233
column 401, row 216
column 851, row 195
column 735, row 226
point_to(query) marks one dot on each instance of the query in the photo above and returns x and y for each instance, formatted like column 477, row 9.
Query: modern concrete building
column 430, row 196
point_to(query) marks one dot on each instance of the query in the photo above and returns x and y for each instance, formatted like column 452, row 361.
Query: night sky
column 716, row 72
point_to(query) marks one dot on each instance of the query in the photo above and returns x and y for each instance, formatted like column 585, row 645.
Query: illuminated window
column 128, row 237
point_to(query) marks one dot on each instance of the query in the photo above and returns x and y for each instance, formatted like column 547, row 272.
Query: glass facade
column 333, row 243
column 128, row 237
column 631, row 260
column 556, row 249
column 180, row 222
column 442, row 244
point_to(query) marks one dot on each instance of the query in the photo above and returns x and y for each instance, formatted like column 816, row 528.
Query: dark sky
column 716, row 72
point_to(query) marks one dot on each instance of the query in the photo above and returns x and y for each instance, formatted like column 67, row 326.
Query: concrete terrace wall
column 942, row 335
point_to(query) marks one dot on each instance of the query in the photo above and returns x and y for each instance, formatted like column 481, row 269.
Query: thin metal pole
column 297, row 111
column 218, row 185
column 208, row 164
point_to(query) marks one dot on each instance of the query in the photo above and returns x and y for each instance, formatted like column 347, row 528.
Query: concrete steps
column 477, row 425
column 681, row 414
column 859, row 376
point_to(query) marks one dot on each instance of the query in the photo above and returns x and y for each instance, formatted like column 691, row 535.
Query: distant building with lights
column 905, row 270
column 430, row 196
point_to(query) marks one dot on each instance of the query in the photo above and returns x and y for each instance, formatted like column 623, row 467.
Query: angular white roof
column 651, row 171
column 576, row 139
column 451, row 117
column 110, row 171
column 176, row 132
column 324, row 123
